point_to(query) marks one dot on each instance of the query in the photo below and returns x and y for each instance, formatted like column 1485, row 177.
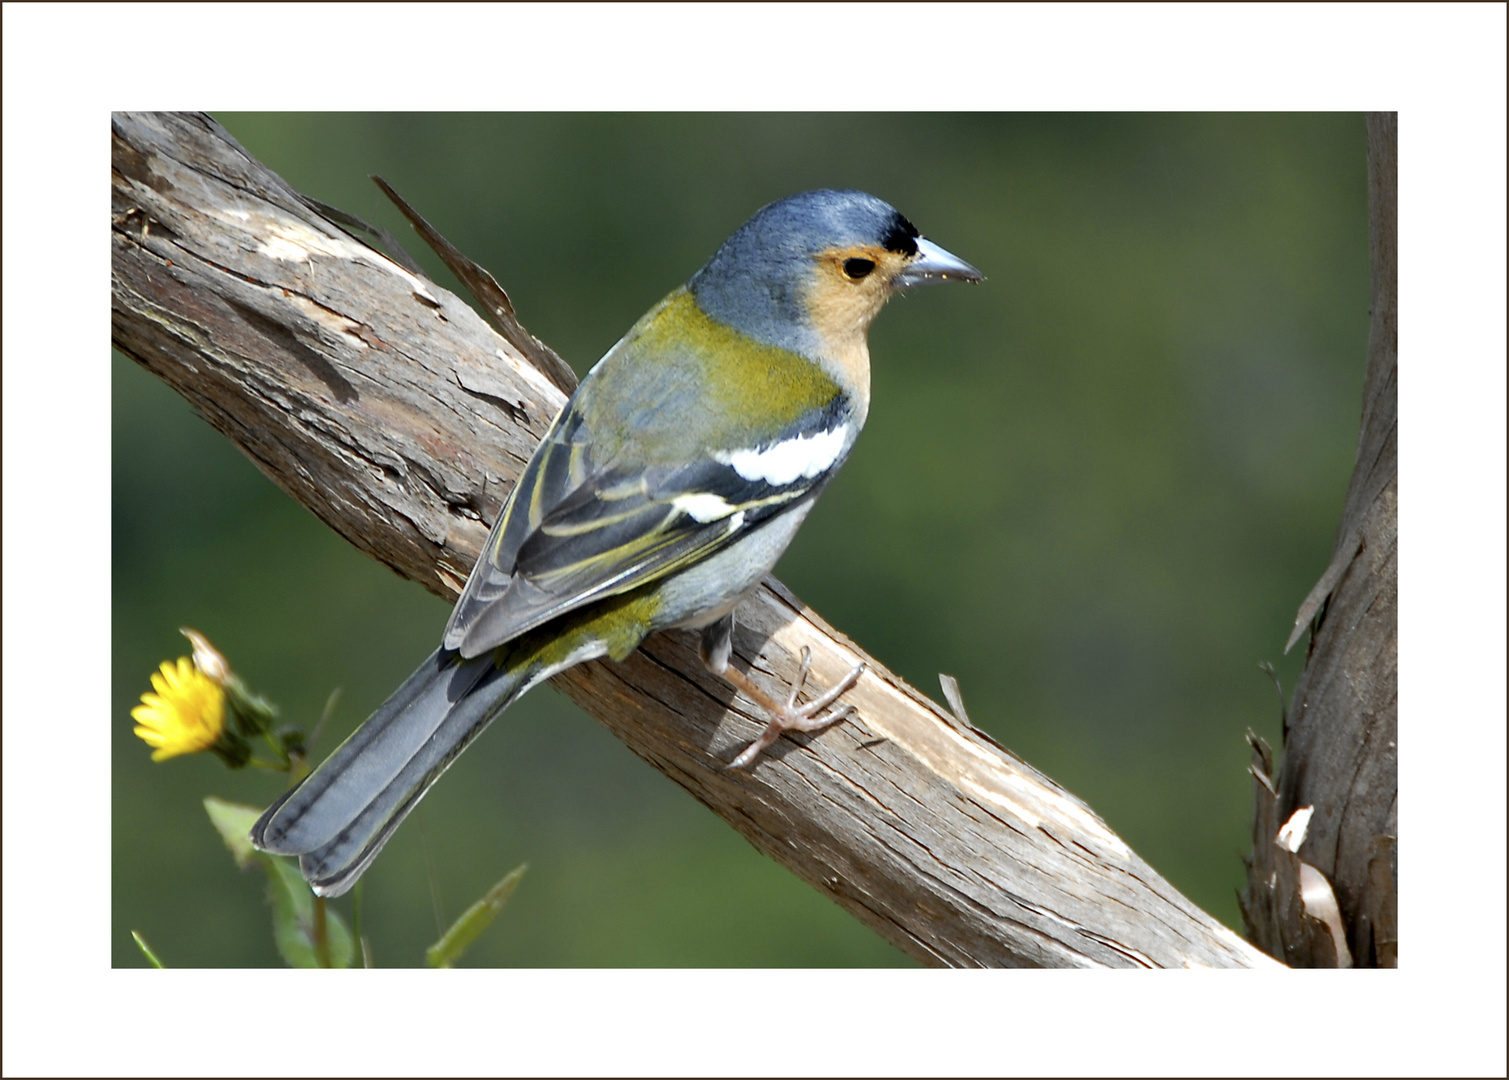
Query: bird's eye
column 854, row 269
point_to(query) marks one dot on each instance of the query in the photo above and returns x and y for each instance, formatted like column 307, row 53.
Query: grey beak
column 932, row 265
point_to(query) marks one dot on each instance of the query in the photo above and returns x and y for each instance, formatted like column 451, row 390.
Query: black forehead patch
column 900, row 236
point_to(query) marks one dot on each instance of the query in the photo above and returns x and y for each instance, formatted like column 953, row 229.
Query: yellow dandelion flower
column 186, row 714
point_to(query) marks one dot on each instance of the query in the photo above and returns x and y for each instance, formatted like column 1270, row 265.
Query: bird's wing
column 576, row 529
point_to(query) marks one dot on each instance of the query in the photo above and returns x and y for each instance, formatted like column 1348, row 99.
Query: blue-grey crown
column 756, row 280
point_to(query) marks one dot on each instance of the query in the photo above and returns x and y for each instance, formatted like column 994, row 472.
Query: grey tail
column 339, row 818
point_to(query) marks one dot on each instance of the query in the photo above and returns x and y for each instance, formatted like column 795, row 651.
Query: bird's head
column 810, row 272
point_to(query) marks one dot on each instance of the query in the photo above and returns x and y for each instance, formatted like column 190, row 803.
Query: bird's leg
column 717, row 649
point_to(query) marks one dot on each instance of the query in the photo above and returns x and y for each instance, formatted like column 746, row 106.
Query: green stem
column 277, row 748
column 321, row 938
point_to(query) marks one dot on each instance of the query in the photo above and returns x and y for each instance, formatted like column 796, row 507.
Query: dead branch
column 1341, row 735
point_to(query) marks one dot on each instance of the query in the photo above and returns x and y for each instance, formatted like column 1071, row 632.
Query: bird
column 664, row 491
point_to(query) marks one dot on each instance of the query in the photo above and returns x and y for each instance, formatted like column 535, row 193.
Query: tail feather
column 339, row 818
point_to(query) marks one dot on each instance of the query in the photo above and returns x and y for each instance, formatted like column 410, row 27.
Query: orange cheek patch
column 841, row 306
column 841, row 309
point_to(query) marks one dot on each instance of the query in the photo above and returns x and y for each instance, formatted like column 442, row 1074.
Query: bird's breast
column 681, row 384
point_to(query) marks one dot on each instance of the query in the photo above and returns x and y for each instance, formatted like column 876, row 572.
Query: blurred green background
column 1095, row 489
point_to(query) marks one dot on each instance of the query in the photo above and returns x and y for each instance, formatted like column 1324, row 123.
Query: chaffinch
column 665, row 490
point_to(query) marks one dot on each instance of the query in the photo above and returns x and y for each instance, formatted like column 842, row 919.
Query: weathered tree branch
column 1341, row 748
column 390, row 409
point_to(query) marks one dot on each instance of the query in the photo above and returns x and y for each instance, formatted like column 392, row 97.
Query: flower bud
column 207, row 658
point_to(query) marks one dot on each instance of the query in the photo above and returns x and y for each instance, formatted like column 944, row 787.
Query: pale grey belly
column 710, row 589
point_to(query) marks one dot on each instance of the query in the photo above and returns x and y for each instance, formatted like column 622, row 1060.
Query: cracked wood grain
column 390, row 409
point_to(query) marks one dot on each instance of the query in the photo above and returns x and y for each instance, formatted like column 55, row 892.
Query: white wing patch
column 703, row 507
column 805, row 456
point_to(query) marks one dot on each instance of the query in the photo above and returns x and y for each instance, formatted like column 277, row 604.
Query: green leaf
column 475, row 919
column 294, row 919
column 295, row 911
column 234, row 822
column 146, row 950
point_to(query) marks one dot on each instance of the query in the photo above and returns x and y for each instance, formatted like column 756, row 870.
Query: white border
column 1442, row 66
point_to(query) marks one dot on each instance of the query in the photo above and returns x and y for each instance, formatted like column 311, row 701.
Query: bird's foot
column 790, row 717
